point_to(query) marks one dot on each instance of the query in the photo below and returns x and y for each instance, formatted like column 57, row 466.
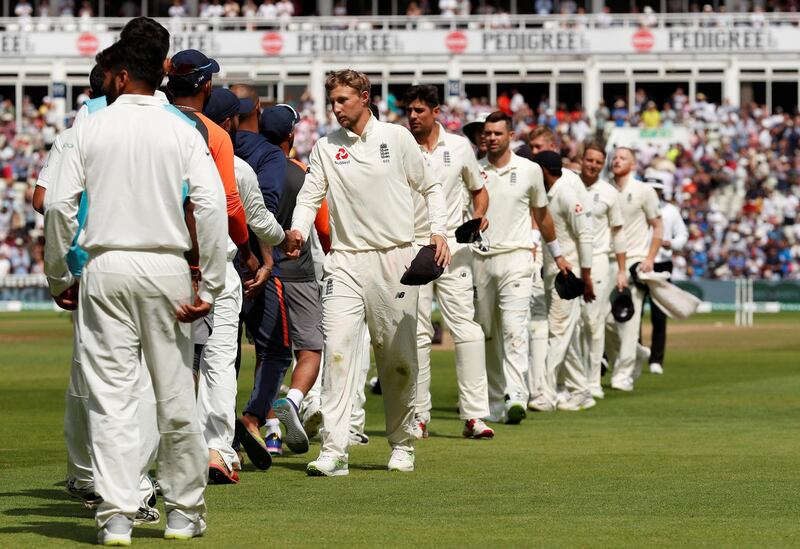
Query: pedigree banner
column 344, row 44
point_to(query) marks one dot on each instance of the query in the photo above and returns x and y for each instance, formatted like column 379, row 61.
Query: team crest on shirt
column 630, row 198
column 342, row 156
column 446, row 158
column 513, row 178
column 596, row 198
column 384, row 152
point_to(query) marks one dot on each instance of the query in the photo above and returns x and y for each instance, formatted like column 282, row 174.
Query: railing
column 428, row 22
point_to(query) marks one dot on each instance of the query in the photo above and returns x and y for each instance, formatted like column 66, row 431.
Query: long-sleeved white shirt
column 606, row 214
column 137, row 160
column 454, row 164
column 639, row 203
column 674, row 232
column 369, row 181
column 259, row 218
column 569, row 207
column 513, row 190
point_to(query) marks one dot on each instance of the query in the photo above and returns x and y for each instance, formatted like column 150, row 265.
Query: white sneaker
column 420, row 428
column 401, row 460
column 642, row 358
column 540, row 403
column 476, row 428
column 597, row 393
column 327, row 466
column 576, row 403
column 515, row 412
column 625, row 385
column 656, row 368
column 358, row 438
column 116, row 532
column 181, row 527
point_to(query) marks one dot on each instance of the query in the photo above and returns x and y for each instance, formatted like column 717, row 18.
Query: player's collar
column 368, row 129
column 135, row 99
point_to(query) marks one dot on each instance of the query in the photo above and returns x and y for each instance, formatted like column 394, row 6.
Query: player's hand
column 533, row 251
column 646, row 266
column 442, row 256
column 189, row 313
column 255, row 286
column 292, row 244
column 563, row 265
column 622, row 280
column 68, row 299
column 484, row 224
column 588, row 289
column 666, row 244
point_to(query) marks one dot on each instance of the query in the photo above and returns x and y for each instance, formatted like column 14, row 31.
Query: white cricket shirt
column 369, row 180
column 513, row 190
column 568, row 205
column 137, row 160
column 606, row 214
column 639, row 203
column 674, row 230
column 453, row 164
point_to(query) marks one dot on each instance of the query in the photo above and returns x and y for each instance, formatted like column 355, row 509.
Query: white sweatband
column 536, row 236
column 555, row 248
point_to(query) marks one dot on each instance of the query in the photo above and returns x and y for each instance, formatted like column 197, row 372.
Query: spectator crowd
column 735, row 179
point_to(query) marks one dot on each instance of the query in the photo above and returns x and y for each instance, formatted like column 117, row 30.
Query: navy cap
column 246, row 105
column 550, row 161
column 568, row 286
column 423, row 268
column 222, row 104
column 279, row 121
column 193, row 65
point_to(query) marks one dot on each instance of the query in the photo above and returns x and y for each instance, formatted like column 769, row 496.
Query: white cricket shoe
column 597, row 393
column 327, row 466
column 540, row 403
column 497, row 411
column 625, row 385
column 642, row 358
column 401, row 460
column 420, row 427
column 656, row 368
column 576, row 402
column 476, row 428
column 515, row 412
column 116, row 532
column 181, row 527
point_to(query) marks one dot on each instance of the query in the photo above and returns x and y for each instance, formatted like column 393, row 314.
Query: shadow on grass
column 293, row 465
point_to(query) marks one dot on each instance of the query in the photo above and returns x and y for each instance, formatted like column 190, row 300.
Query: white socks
column 296, row 396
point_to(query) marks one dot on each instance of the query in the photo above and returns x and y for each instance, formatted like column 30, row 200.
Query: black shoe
column 254, row 445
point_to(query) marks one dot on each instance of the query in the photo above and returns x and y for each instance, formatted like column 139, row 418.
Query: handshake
column 292, row 244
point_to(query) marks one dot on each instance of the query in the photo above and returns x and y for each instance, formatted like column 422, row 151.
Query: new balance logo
column 400, row 295
column 384, row 151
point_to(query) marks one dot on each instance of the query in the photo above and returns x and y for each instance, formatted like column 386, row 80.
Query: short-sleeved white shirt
column 513, row 190
column 606, row 213
column 454, row 165
column 639, row 203
column 568, row 201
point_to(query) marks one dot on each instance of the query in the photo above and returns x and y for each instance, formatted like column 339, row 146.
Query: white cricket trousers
column 593, row 320
column 454, row 294
column 622, row 338
column 128, row 303
column 76, row 422
column 216, row 389
column 562, row 318
column 358, row 418
column 363, row 286
column 503, row 286
column 537, row 329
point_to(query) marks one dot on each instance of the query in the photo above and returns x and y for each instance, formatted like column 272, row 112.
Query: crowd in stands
column 278, row 10
column 735, row 180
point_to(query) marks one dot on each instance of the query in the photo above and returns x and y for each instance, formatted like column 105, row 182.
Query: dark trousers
column 659, row 320
column 267, row 323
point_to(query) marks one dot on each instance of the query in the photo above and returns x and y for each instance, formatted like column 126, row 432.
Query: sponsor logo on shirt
column 484, row 176
column 446, row 158
column 384, row 152
column 578, row 208
column 342, row 156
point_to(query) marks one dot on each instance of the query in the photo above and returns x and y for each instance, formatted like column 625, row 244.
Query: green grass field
column 707, row 455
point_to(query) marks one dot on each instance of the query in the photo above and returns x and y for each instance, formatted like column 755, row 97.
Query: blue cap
column 193, row 65
column 279, row 121
column 246, row 105
column 222, row 104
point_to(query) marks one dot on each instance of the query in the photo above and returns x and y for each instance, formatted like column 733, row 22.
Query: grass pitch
column 706, row 455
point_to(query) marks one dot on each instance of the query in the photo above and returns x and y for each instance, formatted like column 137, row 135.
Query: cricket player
column 79, row 481
column 503, row 267
column 675, row 236
column 568, row 203
column 453, row 163
column 136, row 291
column 606, row 212
column 640, row 213
column 369, row 170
